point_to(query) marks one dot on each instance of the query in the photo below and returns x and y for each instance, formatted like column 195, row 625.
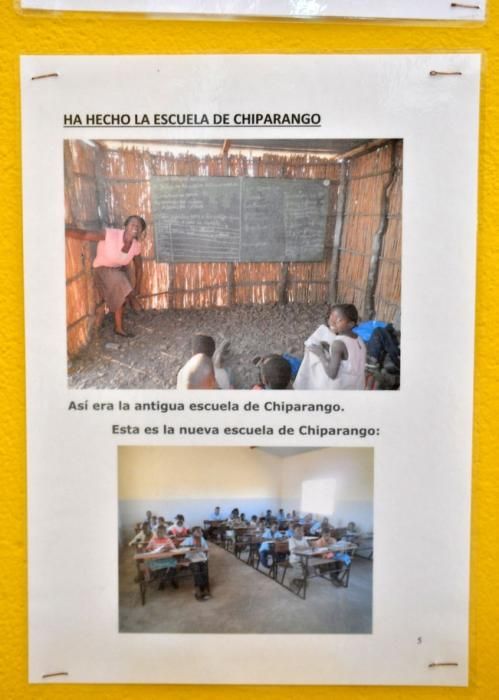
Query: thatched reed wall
column 373, row 207
column 104, row 186
column 84, row 309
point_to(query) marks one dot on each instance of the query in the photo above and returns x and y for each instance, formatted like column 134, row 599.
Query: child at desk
column 335, row 357
column 161, row 543
column 213, row 530
column 179, row 528
column 161, row 523
column 234, row 519
column 325, row 540
column 143, row 536
column 271, row 533
column 261, row 525
column 319, row 526
column 297, row 543
column 337, row 561
column 233, row 523
column 198, row 557
column 308, row 522
column 217, row 515
column 253, row 523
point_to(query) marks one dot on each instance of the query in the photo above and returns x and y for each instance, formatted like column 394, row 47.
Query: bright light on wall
column 317, row 496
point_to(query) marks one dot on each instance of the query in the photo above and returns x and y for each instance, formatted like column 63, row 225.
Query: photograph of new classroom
column 246, row 241
column 292, row 585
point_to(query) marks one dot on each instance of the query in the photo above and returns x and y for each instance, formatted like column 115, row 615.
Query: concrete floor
column 245, row 601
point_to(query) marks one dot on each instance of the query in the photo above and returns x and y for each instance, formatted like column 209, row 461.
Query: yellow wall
column 197, row 472
column 353, row 473
column 76, row 33
column 233, row 472
column 351, row 467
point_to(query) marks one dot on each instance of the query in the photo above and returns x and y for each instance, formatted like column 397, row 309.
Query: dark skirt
column 113, row 284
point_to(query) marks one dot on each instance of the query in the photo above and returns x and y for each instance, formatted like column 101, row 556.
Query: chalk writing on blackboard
column 239, row 219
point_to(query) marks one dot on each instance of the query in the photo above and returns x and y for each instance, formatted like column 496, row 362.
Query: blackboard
column 239, row 219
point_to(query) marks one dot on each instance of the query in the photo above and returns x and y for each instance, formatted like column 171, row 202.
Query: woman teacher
column 116, row 249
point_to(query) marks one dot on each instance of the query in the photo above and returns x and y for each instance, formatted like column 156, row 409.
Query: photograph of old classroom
column 318, row 222
column 246, row 596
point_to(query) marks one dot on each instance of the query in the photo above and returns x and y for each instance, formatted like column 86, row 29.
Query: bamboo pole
column 366, row 148
column 230, row 265
column 100, row 186
column 337, row 235
column 282, row 288
column 377, row 244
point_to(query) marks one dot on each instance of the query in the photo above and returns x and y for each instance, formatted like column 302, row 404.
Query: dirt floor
column 161, row 345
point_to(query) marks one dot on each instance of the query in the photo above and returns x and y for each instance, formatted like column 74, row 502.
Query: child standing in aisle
column 198, row 557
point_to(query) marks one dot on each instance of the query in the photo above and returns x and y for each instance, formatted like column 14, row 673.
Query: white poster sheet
column 365, row 9
column 164, row 138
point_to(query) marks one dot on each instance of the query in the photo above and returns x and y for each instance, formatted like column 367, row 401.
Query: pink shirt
column 178, row 531
column 109, row 252
column 158, row 541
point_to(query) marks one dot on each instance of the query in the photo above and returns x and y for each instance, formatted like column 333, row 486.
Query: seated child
column 203, row 370
column 353, row 532
column 233, row 523
column 160, row 521
column 143, row 536
column 214, row 530
column 261, row 524
column 216, row 515
column 337, row 561
column 297, row 543
column 198, row 557
column 325, row 540
column 335, row 357
column 271, row 533
column 161, row 543
column 318, row 526
column 275, row 372
column 235, row 519
column 197, row 373
column 253, row 523
column 179, row 528
column 383, row 358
